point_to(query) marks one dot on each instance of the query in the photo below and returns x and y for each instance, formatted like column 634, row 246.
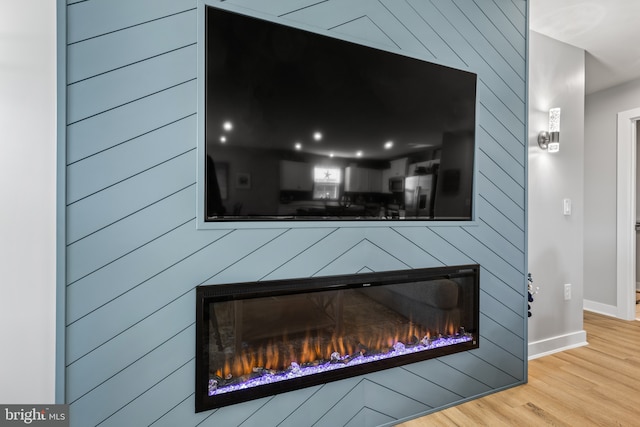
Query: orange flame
column 279, row 355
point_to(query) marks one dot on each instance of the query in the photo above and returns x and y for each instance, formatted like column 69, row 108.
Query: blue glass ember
column 296, row 371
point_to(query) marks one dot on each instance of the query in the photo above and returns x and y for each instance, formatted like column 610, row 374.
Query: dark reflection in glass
column 282, row 102
column 262, row 338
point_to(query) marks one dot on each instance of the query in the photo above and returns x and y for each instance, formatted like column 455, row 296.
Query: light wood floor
column 595, row 385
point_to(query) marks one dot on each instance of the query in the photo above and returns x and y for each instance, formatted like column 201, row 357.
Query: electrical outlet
column 567, row 291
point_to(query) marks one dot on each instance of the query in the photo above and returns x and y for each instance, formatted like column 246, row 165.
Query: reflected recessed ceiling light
column 298, row 146
column 227, row 126
column 223, row 139
column 317, row 136
column 330, row 154
column 388, row 145
column 359, row 153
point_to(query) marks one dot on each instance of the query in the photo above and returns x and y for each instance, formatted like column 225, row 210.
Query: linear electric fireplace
column 257, row 339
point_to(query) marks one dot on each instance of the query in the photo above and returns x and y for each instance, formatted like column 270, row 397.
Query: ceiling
column 608, row 30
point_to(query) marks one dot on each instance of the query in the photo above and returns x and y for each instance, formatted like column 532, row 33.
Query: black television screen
column 303, row 126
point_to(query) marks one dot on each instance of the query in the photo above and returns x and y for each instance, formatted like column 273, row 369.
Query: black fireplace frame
column 247, row 290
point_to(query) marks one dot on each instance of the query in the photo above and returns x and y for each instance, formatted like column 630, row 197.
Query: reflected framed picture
column 243, row 181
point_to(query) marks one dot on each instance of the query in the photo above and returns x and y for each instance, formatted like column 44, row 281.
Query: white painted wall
column 601, row 109
column 27, row 200
column 637, row 211
column 556, row 79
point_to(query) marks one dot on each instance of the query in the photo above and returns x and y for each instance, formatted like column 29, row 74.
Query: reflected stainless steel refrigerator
column 418, row 195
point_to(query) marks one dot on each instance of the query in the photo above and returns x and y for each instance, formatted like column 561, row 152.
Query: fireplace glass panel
column 263, row 338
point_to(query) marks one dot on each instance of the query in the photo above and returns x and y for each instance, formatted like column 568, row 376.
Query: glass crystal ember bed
column 262, row 338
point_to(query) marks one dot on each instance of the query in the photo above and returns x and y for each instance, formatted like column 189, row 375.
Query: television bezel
column 261, row 223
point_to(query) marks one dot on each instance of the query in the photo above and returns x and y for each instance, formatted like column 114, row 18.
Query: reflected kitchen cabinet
column 398, row 167
column 296, row 176
column 363, row 180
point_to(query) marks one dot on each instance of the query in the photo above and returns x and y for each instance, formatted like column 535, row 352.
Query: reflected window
column 326, row 183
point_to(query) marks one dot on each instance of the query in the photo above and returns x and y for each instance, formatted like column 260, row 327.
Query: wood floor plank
column 595, row 385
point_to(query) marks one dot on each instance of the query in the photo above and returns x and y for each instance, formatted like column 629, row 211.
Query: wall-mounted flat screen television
column 303, row 126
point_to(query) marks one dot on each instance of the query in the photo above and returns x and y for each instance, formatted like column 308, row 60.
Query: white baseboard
column 556, row 344
column 600, row 308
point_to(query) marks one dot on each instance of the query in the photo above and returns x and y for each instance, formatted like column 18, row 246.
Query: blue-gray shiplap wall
column 134, row 255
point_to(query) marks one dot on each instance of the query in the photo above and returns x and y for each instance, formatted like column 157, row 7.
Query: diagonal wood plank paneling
column 108, row 91
column 96, row 56
column 178, row 251
column 130, row 121
column 134, row 255
column 133, row 157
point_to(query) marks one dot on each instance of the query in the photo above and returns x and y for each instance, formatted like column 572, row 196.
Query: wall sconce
column 550, row 140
